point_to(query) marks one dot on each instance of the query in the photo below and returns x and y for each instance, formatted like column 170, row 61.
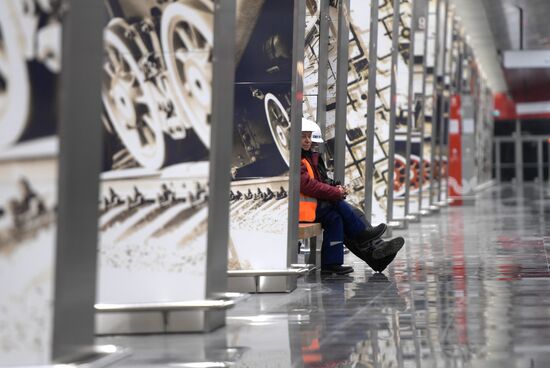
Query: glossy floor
column 471, row 288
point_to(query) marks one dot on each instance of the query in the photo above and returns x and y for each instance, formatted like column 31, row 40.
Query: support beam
column 322, row 80
column 371, row 107
column 393, row 112
column 78, row 180
column 296, row 109
column 498, row 169
column 518, row 153
column 540, row 163
column 341, row 91
column 220, row 148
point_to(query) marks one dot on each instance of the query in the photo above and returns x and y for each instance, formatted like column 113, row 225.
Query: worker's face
column 306, row 141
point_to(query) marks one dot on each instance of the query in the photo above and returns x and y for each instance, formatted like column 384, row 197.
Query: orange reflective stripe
column 308, row 205
column 309, row 168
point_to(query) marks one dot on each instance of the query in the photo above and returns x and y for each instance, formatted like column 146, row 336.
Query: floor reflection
column 355, row 325
column 470, row 289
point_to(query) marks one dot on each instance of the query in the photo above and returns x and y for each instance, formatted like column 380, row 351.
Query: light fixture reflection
column 201, row 365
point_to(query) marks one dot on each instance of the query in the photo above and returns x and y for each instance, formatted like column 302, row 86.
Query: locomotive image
column 157, row 81
column 30, row 56
column 157, row 86
column 157, row 94
column 30, row 66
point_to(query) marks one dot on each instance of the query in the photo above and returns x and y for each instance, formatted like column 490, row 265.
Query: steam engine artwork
column 30, row 65
column 157, row 87
column 30, row 57
column 157, row 82
column 261, row 136
column 157, row 101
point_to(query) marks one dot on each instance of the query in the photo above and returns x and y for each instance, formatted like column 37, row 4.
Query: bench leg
column 319, row 241
column 311, row 258
column 315, row 251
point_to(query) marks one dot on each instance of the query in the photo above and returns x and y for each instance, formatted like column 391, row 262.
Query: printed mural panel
column 484, row 135
column 429, row 107
column 440, row 102
column 359, row 26
column 330, row 129
column 261, row 137
column 311, row 58
column 357, row 94
column 402, row 114
column 417, row 174
column 311, row 69
column 449, row 45
column 382, row 112
column 357, row 86
column 157, row 96
column 30, row 66
column 440, row 164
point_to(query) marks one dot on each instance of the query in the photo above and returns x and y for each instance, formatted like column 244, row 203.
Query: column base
column 157, row 318
column 414, row 217
column 97, row 356
column 265, row 281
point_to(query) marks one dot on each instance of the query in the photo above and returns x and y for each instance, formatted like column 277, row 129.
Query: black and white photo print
column 261, row 136
column 157, row 103
column 30, row 66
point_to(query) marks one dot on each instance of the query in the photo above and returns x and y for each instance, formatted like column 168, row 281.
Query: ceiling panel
column 474, row 19
column 504, row 17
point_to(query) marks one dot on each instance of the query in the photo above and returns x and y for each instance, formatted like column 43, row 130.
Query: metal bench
column 164, row 317
column 284, row 280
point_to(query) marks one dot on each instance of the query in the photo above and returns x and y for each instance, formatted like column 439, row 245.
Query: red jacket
column 315, row 187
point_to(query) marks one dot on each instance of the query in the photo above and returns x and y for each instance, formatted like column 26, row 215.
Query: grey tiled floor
column 471, row 288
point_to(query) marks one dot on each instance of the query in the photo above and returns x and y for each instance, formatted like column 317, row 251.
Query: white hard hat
column 311, row 126
column 316, row 137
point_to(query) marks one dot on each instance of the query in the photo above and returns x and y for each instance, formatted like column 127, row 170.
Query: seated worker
column 322, row 200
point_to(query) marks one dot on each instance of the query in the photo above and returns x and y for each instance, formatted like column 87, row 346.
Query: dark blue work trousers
column 337, row 220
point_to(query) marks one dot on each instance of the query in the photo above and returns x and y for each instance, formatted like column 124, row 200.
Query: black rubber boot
column 371, row 234
column 388, row 248
column 362, row 252
column 380, row 265
column 336, row 269
column 366, row 253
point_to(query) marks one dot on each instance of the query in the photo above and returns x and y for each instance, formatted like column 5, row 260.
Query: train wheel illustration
column 399, row 176
column 279, row 124
column 14, row 79
column 417, row 169
column 187, row 39
column 426, row 172
column 443, row 167
column 129, row 100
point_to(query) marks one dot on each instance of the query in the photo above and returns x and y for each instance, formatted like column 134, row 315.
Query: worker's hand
column 343, row 190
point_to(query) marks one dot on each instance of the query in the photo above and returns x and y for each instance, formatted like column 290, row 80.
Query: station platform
column 471, row 288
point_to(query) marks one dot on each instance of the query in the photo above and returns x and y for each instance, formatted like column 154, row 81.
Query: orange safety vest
column 308, row 205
